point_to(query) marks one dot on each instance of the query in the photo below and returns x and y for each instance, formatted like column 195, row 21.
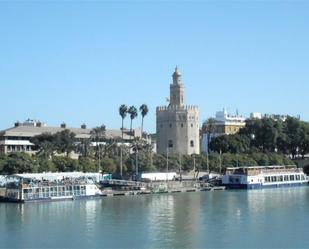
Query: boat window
column 302, row 177
column 291, row 177
column 280, row 178
column 297, row 177
column 286, row 178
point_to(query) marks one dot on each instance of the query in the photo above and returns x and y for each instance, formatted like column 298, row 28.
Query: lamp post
column 136, row 160
column 167, row 163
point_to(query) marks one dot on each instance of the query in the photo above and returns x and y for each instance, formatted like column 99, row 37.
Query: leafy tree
column 87, row 165
column 109, row 165
column 45, row 164
column 65, row 164
column 64, row 142
column 19, row 163
column 209, row 129
column 98, row 135
column 45, row 143
column 306, row 169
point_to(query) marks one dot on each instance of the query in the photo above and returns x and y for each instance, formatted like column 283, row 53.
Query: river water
column 271, row 218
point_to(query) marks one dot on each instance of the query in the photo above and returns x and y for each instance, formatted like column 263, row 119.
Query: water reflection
column 238, row 219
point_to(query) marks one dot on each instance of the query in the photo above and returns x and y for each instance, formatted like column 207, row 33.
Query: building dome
column 177, row 72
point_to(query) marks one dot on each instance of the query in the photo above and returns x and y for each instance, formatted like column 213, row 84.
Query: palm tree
column 97, row 135
column 144, row 110
column 209, row 127
column 133, row 114
column 123, row 110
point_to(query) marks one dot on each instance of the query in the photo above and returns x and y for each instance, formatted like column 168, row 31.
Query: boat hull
column 66, row 198
column 262, row 186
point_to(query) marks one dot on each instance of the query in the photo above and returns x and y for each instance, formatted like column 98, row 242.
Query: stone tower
column 177, row 124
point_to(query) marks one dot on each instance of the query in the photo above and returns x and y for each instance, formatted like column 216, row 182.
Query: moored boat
column 29, row 190
column 255, row 177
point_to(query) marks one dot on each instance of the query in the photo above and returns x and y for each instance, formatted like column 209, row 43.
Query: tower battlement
column 177, row 108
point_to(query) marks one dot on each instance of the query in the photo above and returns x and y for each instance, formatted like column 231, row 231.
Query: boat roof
column 56, row 175
column 263, row 167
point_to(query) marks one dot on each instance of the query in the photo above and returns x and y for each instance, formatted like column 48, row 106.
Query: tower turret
column 177, row 90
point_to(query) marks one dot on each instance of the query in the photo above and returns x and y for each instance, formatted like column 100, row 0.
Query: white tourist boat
column 255, row 177
column 28, row 189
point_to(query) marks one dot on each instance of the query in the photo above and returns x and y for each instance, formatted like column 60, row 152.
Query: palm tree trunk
column 142, row 127
column 131, row 129
column 121, row 149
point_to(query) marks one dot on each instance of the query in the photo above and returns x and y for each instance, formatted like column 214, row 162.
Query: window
column 291, row 177
column 297, row 177
column 170, row 143
column 181, row 125
column 286, row 178
column 191, row 125
column 192, row 143
column 170, row 125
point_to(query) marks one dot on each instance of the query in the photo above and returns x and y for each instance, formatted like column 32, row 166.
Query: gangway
column 123, row 183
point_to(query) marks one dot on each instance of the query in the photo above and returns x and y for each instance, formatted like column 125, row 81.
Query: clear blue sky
column 79, row 61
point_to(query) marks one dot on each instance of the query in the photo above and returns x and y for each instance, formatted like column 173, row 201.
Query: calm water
column 259, row 218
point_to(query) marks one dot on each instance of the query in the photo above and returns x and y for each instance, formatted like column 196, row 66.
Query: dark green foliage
column 108, row 165
column 266, row 135
column 64, row 142
column 19, row 163
column 65, row 164
column 306, row 169
column 87, row 165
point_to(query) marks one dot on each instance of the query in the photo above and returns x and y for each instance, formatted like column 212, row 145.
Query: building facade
column 18, row 138
column 223, row 124
column 177, row 124
column 227, row 124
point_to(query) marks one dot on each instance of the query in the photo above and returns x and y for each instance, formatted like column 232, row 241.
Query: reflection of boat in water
column 28, row 189
column 264, row 176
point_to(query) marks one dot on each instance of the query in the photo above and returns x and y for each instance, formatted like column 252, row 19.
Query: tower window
column 170, row 143
column 181, row 125
column 191, row 125
column 192, row 143
column 161, row 125
column 170, row 125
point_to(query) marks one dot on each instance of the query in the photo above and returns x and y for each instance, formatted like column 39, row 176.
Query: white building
column 17, row 138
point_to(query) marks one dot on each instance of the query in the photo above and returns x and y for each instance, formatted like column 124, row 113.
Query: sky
column 78, row 61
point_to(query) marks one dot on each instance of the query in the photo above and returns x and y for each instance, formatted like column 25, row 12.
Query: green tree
column 98, row 136
column 19, row 163
column 45, row 144
column 87, row 165
column 45, row 164
column 133, row 114
column 64, row 142
column 65, row 164
column 123, row 110
column 109, row 165
column 144, row 111
column 209, row 128
column 306, row 169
